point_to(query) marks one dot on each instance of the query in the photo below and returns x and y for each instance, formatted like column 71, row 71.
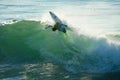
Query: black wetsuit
column 57, row 27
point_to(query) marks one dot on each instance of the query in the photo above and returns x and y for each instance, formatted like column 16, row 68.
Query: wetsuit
column 57, row 27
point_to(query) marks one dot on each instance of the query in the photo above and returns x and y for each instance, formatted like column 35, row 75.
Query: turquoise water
column 89, row 51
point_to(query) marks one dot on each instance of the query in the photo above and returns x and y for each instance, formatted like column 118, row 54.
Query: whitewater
column 89, row 51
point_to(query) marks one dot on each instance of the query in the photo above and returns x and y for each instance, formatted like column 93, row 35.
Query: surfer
column 57, row 27
column 58, row 24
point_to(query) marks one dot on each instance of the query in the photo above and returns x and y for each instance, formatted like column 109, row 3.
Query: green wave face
column 29, row 41
column 14, row 39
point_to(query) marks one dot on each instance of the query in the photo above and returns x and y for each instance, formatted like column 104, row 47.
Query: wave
column 29, row 41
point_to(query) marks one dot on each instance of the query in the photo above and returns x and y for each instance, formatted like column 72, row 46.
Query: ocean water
column 89, row 51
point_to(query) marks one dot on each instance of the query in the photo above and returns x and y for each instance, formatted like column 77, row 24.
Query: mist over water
column 90, row 48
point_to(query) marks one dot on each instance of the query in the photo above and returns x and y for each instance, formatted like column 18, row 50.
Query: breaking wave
column 29, row 41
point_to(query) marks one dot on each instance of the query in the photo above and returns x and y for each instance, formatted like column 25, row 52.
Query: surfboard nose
column 50, row 12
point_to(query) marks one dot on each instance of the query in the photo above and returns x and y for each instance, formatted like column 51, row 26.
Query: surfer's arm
column 48, row 27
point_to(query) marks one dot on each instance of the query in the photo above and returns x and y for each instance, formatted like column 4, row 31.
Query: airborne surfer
column 58, row 24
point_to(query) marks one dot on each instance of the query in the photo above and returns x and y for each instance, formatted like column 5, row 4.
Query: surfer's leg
column 64, row 30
